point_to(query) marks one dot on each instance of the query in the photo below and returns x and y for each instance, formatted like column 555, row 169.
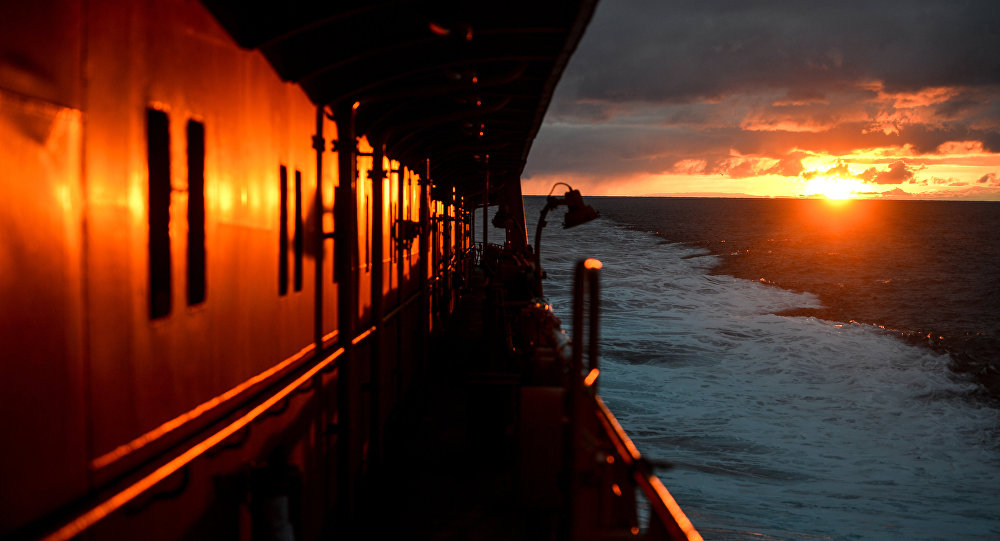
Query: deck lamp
column 577, row 213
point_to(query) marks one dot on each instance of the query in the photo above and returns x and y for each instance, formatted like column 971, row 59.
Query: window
column 196, row 213
column 299, row 231
column 158, row 160
column 283, row 231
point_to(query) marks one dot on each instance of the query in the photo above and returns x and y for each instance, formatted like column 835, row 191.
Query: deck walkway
column 451, row 461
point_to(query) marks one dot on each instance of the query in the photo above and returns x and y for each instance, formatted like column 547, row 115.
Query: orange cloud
column 690, row 167
column 898, row 173
column 922, row 98
column 794, row 124
column 961, row 148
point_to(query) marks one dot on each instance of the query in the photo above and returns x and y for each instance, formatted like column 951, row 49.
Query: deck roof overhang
column 441, row 82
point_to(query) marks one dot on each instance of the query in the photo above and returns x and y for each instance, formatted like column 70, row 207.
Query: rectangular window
column 283, row 231
column 368, row 239
column 196, row 213
column 158, row 160
column 299, row 231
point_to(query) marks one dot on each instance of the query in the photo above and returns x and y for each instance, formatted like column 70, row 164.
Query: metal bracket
column 404, row 231
column 319, row 143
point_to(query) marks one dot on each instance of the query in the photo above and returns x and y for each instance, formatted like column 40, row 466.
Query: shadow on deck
column 451, row 454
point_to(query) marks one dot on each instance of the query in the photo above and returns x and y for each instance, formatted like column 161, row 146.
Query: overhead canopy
column 449, row 81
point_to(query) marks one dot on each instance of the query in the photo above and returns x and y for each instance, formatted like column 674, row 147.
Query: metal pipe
column 549, row 205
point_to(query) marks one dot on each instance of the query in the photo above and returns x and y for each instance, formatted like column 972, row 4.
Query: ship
column 241, row 289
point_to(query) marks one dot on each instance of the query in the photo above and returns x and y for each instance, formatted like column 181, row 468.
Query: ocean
column 809, row 369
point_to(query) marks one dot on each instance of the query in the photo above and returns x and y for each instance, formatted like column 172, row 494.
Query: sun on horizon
column 833, row 187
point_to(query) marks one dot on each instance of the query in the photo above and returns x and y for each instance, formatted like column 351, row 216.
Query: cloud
column 898, row 173
column 839, row 170
column 896, row 192
column 789, row 166
column 690, row 167
column 736, row 88
column 649, row 50
column 989, row 178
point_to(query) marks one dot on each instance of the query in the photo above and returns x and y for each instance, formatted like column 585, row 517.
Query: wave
column 792, row 427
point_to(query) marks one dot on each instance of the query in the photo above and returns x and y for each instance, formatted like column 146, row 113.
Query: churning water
column 784, row 419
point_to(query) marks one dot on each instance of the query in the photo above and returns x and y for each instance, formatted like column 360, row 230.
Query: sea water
column 782, row 417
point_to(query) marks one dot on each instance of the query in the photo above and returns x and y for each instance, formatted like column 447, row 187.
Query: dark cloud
column 657, row 87
column 989, row 178
column 898, row 173
column 650, row 50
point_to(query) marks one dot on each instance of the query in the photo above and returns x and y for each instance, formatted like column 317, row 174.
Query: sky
column 878, row 98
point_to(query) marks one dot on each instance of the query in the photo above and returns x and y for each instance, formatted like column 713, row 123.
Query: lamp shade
column 577, row 212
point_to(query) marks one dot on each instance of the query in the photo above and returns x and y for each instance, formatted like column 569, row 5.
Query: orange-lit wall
column 87, row 373
column 253, row 125
column 43, row 401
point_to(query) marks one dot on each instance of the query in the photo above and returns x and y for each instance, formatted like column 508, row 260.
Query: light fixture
column 577, row 213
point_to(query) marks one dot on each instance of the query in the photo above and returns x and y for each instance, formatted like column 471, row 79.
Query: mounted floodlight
column 577, row 213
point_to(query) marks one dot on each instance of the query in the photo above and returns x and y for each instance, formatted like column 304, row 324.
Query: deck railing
column 666, row 519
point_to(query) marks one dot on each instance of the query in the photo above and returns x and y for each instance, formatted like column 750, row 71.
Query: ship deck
column 450, row 468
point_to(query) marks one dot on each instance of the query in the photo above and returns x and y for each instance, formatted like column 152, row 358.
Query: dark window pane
column 283, row 232
column 158, row 157
column 196, row 213
column 299, row 231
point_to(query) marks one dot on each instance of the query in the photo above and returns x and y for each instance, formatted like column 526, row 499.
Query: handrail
column 99, row 511
column 664, row 506
column 399, row 308
column 149, row 437
column 126, row 495
column 666, row 511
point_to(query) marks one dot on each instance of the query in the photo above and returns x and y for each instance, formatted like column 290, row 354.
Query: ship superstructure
column 237, row 249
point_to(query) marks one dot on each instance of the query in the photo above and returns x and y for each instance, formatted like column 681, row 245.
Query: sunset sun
column 834, row 187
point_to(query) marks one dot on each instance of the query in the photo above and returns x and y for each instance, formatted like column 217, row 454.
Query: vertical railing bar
column 346, row 224
column 593, row 277
column 378, row 174
column 319, row 144
column 572, row 397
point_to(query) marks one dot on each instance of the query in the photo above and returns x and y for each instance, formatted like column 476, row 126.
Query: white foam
column 783, row 426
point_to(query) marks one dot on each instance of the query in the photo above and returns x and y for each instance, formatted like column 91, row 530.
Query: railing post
column 345, row 250
column 592, row 268
column 424, row 262
column 585, row 284
column 486, row 205
column 319, row 144
column 375, row 379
